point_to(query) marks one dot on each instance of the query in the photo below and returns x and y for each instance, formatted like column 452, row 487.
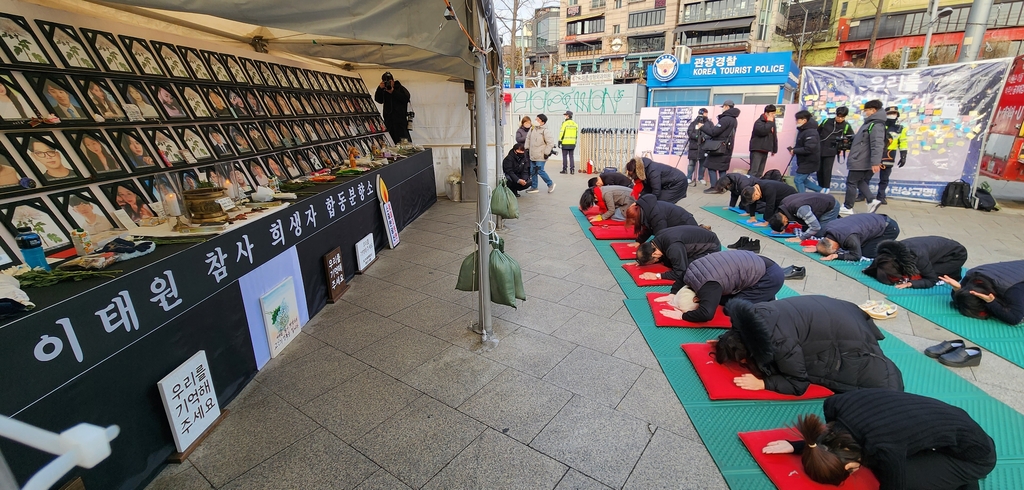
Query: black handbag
column 717, row 148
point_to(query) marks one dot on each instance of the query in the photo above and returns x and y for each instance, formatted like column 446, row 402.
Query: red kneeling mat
column 624, row 250
column 612, row 230
column 786, row 471
column 635, row 270
column 717, row 378
column 720, row 320
column 592, row 211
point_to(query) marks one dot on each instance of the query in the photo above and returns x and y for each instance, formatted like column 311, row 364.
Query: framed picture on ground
column 108, row 51
column 140, row 52
column 34, row 214
column 132, row 147
column 95, row 151
column 83, row 210
column 19, row 43
column 69, row 47
column 45, row 156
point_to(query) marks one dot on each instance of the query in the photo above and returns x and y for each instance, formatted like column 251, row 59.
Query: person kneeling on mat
column 812, row 211
column 995, row 290
column 676, row 247
column 612, row 200
column 665, row 182
column 917, row 262
column 610, row 178
column 907, row 441
column 855, row 236
column 770, row 192
column 649, row 216
column 790, row 343
column 718, row 277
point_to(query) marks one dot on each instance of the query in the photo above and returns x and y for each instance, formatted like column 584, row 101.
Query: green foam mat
column 928, row 306
column 786, row 292
column 730, row 216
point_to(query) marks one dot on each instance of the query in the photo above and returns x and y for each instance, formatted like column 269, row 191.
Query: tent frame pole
column 483, row 202
column 498, row 147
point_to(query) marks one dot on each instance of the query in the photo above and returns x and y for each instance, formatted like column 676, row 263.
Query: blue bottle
column 31, row 248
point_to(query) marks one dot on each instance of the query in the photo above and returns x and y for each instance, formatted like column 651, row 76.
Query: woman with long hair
column 907, row 441
column 991, row 290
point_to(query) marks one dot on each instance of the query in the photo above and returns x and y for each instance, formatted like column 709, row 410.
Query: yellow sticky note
column 927, row 148
column 939, row 141
column 973, row 113
column 969, row 136
column 960, row 143
column 942, row 150
column 915, row 153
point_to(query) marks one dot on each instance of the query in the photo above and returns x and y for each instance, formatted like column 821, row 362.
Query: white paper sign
column 189, row 400
column 226, row 203
column 365, row 252
column 125, row 220
column 133, row 112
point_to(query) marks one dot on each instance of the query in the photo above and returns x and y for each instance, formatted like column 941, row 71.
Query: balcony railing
column 583, row 53
column 731, row 46
column 701, row 16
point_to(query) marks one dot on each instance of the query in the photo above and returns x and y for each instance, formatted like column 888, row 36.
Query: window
column 618, row 4
column 581, row 49
column 596, row 4
column 718, row 9
column 646, row 44
column 676, row 97
column 721, row 36
column 842, row 10
column 615, row 29
column 647, row 18
column 574, row 2
column 589, row 26
column 637, row 1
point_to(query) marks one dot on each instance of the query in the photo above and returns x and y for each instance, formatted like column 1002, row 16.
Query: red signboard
column 1010, row 110
column 1003, row 151
column 659, row 4
column 573, row 11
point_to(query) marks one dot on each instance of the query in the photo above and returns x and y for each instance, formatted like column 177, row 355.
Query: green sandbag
column 517, row 271
column 467, row 274
column 503, row 201
column 503, row 281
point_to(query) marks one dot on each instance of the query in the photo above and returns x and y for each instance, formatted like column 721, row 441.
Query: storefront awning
column 716, row 25
column 648, row 55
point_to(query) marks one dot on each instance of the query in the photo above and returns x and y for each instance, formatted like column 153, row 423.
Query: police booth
column 757, row 78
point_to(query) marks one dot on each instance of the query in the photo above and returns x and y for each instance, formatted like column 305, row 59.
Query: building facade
column 905, row 22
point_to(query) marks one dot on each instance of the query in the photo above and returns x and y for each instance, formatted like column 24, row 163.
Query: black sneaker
column 794, row 272
column 572, row 171
column 739, row 243
column 752, row 246
column 563, row 172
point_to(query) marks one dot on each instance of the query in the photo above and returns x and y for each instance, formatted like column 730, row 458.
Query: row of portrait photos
column 83, row 208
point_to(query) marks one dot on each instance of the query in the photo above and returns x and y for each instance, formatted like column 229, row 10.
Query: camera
column 844, row 143
column 389, row 80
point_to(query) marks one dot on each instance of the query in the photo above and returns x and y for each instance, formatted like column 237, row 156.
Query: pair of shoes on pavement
column 534, row 190
column 794, row 272
column 745, row 243
column 879, row 310
column 955, row 353
column 563, row 172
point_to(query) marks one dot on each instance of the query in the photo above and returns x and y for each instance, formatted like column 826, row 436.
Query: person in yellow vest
column 567, row 141
column 895, row 149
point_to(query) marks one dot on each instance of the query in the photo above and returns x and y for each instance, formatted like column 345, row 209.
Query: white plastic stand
column 83, row 445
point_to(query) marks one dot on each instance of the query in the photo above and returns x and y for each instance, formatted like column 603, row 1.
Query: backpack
column 983, row 200
column 957, row 194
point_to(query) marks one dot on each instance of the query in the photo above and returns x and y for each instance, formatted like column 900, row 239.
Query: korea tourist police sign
column 666, row 67
column 945, row 109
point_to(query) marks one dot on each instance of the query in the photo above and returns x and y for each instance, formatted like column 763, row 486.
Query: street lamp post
column 935, row 16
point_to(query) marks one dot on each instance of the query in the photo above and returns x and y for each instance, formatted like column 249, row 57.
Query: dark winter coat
column 724, row 131
column 813, row 339
column 772, row 193
column 681, row 245
column 819, row 204
column 867, row 149
column 764, row 138
column 828, row 134
column 807, row 148
column 736, row 182
column 696, row 137
column 921, row 260
column 1003, row 275
column 1008, row 279
column 521, row 134
column 667, row 183
column 891, row 426
column 396, row 104
column 734, row 270
column 657, row 216
column 852, row 231
column 615, row 178
column 516, row 167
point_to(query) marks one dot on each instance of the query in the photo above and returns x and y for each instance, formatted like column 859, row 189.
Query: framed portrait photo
column 314, row 82
column 126, row 195
column 217, row 66
column 58, row 96
column 309, row 132
column 286, row 134
column 290, row 162
column 195, row 63
column 68, row 45
column 133, row 148
column 193, row 139
column 257, row 171
column 273, row 136
column 10, row 173
column 268, row 76
column 36, row 215
column 166, row 100
column 293, row 100
column 282, row 79
column 256, row 137
column 82, row 209
column 325, row 157
column 108, row 51
column 15, row 107
column 253, row 71
column 325, row 104
column 159, row 187
column 241, row 178
column 136, row 93
column 270, row 104
column 252, row 100
column 194, row 100
column 140, row 52
column 46, row 157
column 218, row 102
column 296, row 77
column 219, row 141
column 236, row 103
column 237, row 137
column 173, row 64
column 328, row 129
column 188, row 180
column 320, row 130
column 101, row 99
column 275, row 166
column 95, row 151
column 235, row 69
column 19, row 43
column 283, row 105
column 167, row 148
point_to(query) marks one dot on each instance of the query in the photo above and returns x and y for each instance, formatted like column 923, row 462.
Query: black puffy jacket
column 763, row 138
column 516, row 167
column 666, row 182
column 656, row 216
column 813, row 339
column 920, row 259
column 807, row 148
column 724, row 131
column 681, row 245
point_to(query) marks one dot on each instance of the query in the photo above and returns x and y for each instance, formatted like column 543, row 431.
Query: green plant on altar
column 205, row 185
column 48, row 239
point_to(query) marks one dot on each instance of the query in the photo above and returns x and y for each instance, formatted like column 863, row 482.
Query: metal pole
column 923, row 60
column 905, row 57
column 803, row 30
column 498, row 148
column 483, row 202
column 974, row 35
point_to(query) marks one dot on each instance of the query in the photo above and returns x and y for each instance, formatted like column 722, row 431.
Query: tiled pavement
column 386, row 389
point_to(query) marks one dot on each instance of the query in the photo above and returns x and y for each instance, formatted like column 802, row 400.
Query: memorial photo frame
column 268, row 102
column 46, row 157
column 15, row 107
column 310, row 133
column 35, row 214
column 288, row 162
column 195, row 101
column 275, row 167
column 273, row 135
column 126, row 195
column 283, row 105
column 213, row 174
column 158, row 186
column 308, row 106
column 142, row 55
column 195, row 63
column 136, row 93
column 188, row 180
column 167, row 148
column 133, row 148
column 10, row 173
column 328, row 129
column 70, row 48
column 217, row 67
column 101, row 99
column 330, row 78
column 257, row 171
column 311, row 76
column 166, row 99
column 268, row 76
column 218, row 102
column 256, row 137
column 237, row 137
column 325, row 103
column 19, row 42
column 108, row 51
column 173, row 64
column 282, row 79
column 241, row 178
column 235, row 69
column 293, row 100
column 59, row 96
column 95, row 152
column 299, row 134
column 252, row 100
column 325, row 157
column 296, row 78
column 194, row 141
column 219, row 141
column 335, row 153
column 82, row 209
column 320, row 130
column 253, row 71
column 236, row 103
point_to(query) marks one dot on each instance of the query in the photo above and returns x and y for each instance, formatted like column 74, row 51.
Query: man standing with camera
column 835, row 135
column 395, row 99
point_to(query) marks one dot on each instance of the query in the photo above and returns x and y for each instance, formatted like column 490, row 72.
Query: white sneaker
column 702, row 182
column 874, row 205
column 532, row 190
column 825, row 190
column 843, row 211
column 552, row 188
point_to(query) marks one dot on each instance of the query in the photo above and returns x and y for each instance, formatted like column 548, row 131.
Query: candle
column 230, row 188
column 171, row 207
